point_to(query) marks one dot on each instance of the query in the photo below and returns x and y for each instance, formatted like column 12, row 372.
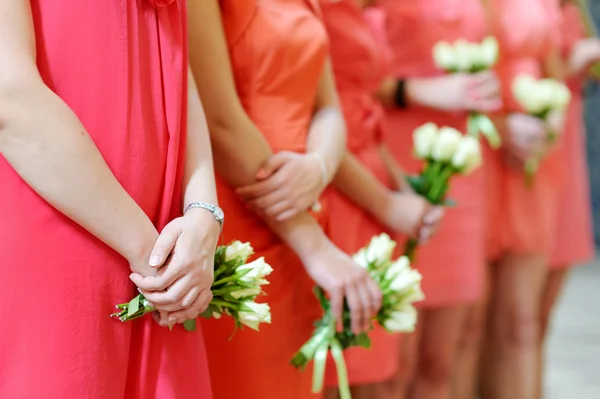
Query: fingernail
column 154, row 259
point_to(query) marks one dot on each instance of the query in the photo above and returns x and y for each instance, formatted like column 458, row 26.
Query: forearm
column 360, row 186
column 327, row 139
column 395, row 172
column 45, row 143
column 416, row 92
column 199, row 176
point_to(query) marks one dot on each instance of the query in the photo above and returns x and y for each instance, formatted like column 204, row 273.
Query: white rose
column 424, row 136
column 446, row 144
column 444, row 56
column 406, row 281
column 238, row 249
column 529, row 94
column 246, row 293
column 468, row 155
column 255, row 271
column 252, row 314
column 463, row 51
column 400, row 266
column 360, row 258
column 489, row 51
column 401, row 320
column 380, row 249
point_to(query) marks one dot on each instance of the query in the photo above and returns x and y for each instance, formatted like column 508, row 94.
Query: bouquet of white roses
column 540, row 98
column 400, row 286
column 465, row 57
column 446, row 153
column 235, row 288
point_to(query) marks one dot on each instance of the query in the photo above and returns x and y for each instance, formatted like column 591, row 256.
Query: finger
column 173, row 295
column 336, row 301
column 480, row 78
column 484, row 105
column 269, row 200
column 164, row 245
column 367, row 305
column 272, row 165
column 290, row 213
column 277, row 209
column 375, row 295
column 199, row 305
column 433, row 216
column 260, row 189
column 356, row 308
column 184, row 303
column 489, row 89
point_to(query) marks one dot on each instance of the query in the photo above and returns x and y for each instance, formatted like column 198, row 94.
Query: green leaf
column 190, row 325
column 416, row 183
column 134, row 306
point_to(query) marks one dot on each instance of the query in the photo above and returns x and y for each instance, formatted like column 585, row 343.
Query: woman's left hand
column 288, row 183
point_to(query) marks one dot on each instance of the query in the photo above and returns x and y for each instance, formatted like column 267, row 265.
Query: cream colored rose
column 254, row 272
column 468, row 155
column 424, row 137
column 237, row 249
column 489, row 51
column 401, row 320
column 444, row 56
column 252, row 314
column 446, row 144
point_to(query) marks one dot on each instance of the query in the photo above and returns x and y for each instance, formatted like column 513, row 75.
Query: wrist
column 137, row 251
column 323, row 168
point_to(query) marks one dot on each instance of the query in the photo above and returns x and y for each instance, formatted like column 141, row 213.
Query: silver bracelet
column 217, row 212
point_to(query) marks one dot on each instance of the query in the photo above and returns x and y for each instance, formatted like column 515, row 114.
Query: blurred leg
column 550, row 295
column 511, row 358
column 466, row 373
column 437, row 353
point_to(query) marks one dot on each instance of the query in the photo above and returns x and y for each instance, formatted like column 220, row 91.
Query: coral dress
column 452, row 262
column 278, row 50
column 122, row 70
column 359, row 64
column 574, row 240
column 522, row 219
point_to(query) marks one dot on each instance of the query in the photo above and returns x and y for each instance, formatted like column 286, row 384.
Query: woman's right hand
column 411, row 214
column 336, row 272
column 524, row 138
column 457, row 92
column 584, row 54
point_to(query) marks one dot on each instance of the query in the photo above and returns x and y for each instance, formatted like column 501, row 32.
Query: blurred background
column 574, row 346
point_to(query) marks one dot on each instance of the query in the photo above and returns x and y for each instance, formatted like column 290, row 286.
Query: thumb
column 164, row 245
column 272, row 164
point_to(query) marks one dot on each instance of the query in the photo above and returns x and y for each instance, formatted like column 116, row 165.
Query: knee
column 519, row 329
column 472, row 333
column 434, row 370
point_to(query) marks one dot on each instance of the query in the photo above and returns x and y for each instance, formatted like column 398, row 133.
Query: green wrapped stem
column 342, row 372
column 410, row 249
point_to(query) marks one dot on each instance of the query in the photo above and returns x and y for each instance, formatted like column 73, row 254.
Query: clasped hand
column 288, row 183
column 183, row 257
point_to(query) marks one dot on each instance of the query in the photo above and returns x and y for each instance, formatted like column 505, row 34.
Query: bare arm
column 395, row 171
column 47, row 145
column 327, row 135
column 239, row 147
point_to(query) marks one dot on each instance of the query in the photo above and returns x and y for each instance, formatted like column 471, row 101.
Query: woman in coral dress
column 93, row 159
column 363, row 203
column 262, row 70
column 523, row 219
column 452, row 264
column 574, row 243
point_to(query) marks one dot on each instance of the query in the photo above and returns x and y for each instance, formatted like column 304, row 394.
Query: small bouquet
column 465, row 57
column 235, row 288
column 400, row 286
column 446, row 153
column 540, row 98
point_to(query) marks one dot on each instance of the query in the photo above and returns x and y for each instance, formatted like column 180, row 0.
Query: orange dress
column 452, row 262
column 574, row 243
column 278, row 50
column 359, row 64
column 522, row 219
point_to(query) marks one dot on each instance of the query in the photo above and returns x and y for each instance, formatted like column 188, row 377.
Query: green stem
column 224, row 304
column 440, row 181
column 410, row 249
column 342, row 372
column 224, row 280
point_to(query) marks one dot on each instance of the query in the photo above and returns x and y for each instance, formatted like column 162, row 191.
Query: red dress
column 574, row 242
column 359, row 64
column 452, row 262
column 122, row 69
column 278, row 50
column 522, row 219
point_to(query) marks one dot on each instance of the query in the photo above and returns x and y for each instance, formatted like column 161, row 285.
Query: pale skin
column 55, row 140
column 231, row 131
column 429, row 355
column 512, row 352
